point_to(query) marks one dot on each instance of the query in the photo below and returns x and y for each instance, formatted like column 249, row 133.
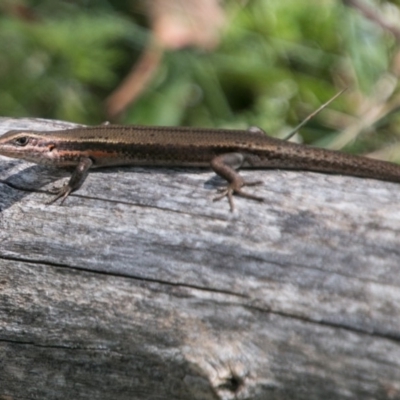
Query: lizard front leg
column 77, row 178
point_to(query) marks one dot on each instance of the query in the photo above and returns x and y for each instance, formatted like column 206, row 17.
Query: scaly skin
column 224, row 151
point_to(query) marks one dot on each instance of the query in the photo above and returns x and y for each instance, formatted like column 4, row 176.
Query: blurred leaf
column 367, row 47
column 59, row 61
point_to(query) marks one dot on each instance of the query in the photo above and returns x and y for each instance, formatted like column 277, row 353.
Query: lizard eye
column 22, row 141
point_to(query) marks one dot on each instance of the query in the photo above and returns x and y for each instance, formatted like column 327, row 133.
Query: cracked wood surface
column 140, row 287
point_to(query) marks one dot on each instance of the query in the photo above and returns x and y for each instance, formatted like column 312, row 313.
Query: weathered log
column 140, row 287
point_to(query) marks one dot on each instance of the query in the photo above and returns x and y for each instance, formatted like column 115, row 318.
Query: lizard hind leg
column 225, row 165
column 257, row 129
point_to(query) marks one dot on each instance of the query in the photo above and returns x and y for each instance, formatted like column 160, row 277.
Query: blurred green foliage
column 276, row 63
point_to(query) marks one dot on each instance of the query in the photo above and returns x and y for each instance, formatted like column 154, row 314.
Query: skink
column 225, row 151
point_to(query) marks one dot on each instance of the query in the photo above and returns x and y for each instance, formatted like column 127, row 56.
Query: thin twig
column 297, row 128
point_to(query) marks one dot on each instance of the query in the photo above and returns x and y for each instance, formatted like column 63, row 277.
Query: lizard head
column 28, row 145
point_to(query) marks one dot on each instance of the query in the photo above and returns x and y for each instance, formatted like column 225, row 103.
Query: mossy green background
column 277, row 61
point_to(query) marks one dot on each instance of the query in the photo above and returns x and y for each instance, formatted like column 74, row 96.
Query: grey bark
column 140, row 287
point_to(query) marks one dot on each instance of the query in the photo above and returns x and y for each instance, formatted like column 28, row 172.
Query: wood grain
column 140, row 287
